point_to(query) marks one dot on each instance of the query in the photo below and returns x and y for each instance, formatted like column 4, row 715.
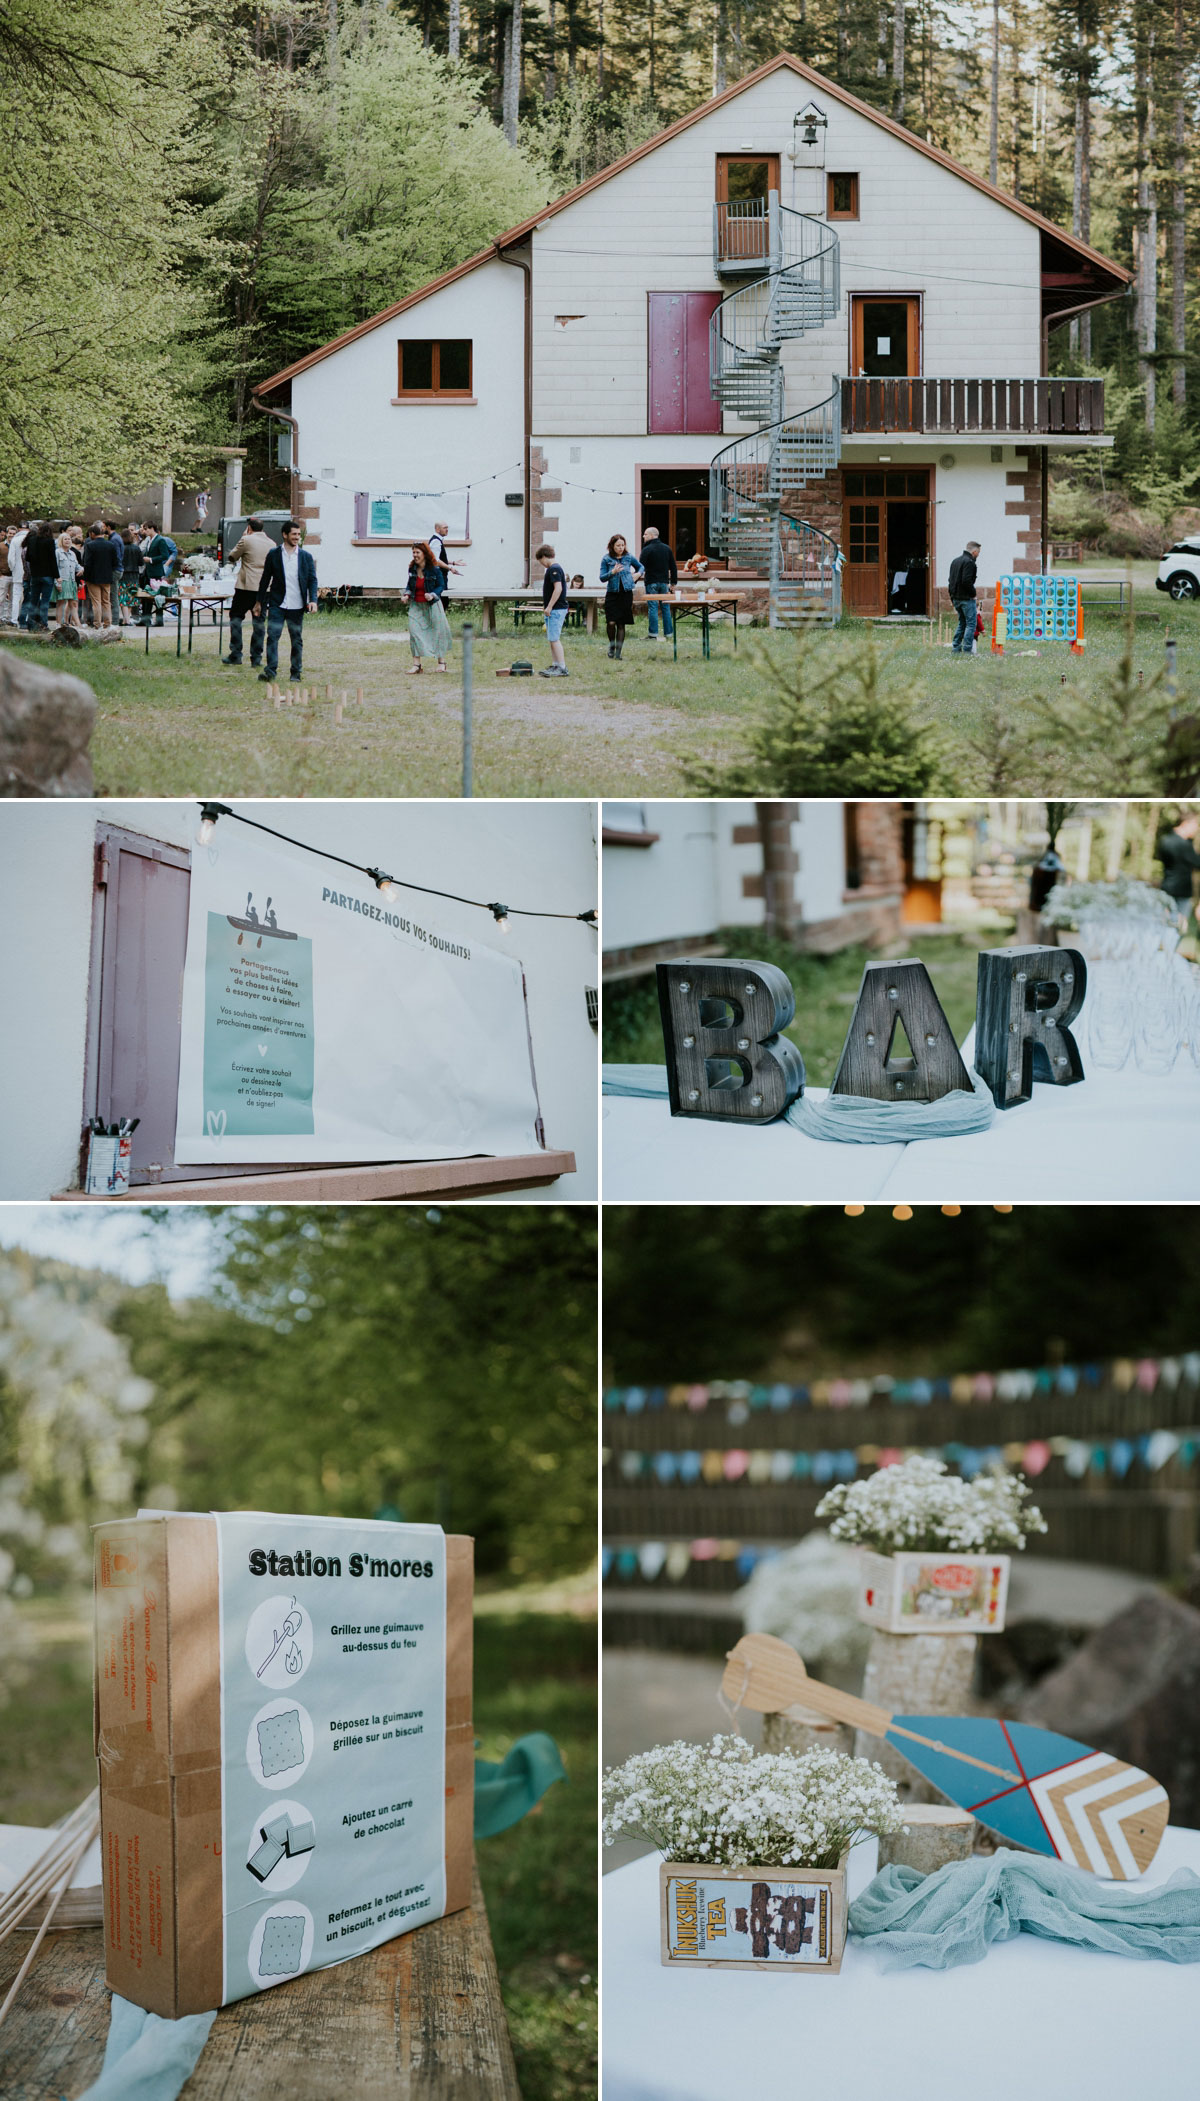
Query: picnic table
column 418, row 2019
column 589, row 596
column 685, row 602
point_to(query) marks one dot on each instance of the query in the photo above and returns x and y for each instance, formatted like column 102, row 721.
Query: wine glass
column 1110, row 1023
column 1156, row 1036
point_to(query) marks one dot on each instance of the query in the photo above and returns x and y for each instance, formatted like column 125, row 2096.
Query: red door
column 679, row 397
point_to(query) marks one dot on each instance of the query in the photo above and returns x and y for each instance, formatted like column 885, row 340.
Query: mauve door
column 702, row 412
column 668, row 342
column 145, row 941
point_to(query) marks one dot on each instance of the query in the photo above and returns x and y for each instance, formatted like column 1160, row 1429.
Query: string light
column 209, row 813
column 854, row 1210
column 902, row 1211
column 951, row 1210
column 386, row 884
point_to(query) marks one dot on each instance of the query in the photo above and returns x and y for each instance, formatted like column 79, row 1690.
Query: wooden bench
column 419, row 2019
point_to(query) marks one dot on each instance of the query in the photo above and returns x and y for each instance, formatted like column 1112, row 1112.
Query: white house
column 872, row 316
column 92, row 953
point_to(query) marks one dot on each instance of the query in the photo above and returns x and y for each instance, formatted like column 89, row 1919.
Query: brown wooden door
column 864, row 579
column 885, row 336
column 745, row 184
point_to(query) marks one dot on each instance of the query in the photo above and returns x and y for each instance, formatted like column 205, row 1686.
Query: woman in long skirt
column 428, row 627
column 619, row 571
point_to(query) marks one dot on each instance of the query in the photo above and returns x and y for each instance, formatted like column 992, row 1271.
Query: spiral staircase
column 756, row 483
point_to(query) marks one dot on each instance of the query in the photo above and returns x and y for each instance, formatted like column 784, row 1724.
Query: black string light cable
column 386, row 884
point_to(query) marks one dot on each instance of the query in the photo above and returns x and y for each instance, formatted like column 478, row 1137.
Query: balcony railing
column 947, row 408
column 742, row 235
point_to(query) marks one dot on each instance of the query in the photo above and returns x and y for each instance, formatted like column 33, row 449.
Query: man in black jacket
column 962, row 597
column 662, row 574
column 41, row 572
column 101, row 568
column 1177, row 852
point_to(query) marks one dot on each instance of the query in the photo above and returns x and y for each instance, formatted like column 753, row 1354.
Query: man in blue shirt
column 555, row 608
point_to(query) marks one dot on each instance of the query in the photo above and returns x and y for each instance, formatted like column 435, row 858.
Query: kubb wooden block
column 938, row 1593
column 753, row 1918
column 934, row 1833
column 803, row 1729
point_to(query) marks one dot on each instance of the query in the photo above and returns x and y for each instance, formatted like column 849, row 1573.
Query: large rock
column 46, row 720
column 1134, row 1689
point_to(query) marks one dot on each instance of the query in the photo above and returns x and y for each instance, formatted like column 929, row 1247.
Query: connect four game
column 1037, row 609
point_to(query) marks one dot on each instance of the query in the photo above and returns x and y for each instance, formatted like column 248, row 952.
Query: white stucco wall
column 690, row 881
column 348, row 424
column 541, row 854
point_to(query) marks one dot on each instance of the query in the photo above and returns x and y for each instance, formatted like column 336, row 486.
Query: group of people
column 79, row 574
column 620, row 573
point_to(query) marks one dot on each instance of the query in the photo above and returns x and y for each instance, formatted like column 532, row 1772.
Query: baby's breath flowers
column 917, row 1506
column 720, row 1804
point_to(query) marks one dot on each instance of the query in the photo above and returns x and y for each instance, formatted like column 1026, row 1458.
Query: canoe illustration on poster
column 323, row 1022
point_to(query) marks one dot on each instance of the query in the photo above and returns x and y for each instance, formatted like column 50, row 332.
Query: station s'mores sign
column 283, row 1728
column 324, row 1021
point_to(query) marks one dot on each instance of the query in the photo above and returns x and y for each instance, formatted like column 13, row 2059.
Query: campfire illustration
column 252, row 924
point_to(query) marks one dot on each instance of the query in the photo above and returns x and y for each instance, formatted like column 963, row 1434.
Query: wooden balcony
column 953, row 408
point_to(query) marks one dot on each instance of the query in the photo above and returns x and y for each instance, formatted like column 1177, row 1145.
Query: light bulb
column 902, row 1211
column 502, row 922
column 388, row 888
column 207, row 828
column 854, row 1210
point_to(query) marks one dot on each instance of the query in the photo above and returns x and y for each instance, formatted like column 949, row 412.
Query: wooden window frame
column 436, row 392
column 726, row 160
column 841, row 175
column 916, row 328
column 300, row 1182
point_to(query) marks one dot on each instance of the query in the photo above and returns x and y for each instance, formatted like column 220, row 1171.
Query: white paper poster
column 333, row 1739
column 322, row 1021
column 402, row 514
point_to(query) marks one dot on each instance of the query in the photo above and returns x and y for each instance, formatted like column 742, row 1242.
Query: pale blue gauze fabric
column 854, row 1120
column 952, row 1917
column 639, row 1082
column 147, row 2058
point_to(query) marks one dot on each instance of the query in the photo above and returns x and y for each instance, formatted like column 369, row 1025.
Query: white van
column 1179, row 569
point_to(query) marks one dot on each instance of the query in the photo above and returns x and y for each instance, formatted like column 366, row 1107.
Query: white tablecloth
column 1116, row 1136
column 1036, row 2020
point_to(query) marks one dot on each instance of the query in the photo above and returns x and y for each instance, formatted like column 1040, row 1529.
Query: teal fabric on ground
column 639, row 1082
column 147, row 2058
column 938, row 1921
column 853, row 1120
column 506, row 1792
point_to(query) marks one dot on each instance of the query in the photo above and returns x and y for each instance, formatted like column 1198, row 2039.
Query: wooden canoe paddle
column 1029, row 1785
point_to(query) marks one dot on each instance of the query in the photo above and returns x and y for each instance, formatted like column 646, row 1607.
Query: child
column 554, row 605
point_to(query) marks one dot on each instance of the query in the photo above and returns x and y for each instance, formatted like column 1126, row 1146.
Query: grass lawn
column 826, row 988
column 532, row 1671
column 192, row 726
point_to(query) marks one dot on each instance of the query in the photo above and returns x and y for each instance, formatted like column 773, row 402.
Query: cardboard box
column 938, row 1593
column 158, row 1745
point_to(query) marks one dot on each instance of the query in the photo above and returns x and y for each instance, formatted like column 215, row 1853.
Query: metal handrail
column 759, row 455
column 744, row 328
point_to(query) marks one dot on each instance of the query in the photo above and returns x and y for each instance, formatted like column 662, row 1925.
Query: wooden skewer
column 41, row 1872
column 89, row 1834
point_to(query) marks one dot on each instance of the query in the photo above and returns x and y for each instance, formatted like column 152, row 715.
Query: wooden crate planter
column 753, row 1918
column 938, row 1593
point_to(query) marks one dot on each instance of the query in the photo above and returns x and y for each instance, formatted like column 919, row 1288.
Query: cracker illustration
column 282, row 1946
column 280, row 1743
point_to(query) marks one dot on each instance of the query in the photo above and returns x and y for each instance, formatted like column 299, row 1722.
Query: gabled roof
column 1077, row 285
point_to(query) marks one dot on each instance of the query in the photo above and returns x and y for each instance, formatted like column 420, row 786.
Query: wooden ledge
column 390, row 1182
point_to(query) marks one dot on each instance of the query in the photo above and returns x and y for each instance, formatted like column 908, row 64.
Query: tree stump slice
column 936, row 1834
column 915, row 1674
column 800, row 1729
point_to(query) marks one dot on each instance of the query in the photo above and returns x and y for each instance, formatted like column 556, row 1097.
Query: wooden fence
column 1147, row 1520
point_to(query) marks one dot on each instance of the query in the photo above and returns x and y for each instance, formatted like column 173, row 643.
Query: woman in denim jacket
column 620, row 571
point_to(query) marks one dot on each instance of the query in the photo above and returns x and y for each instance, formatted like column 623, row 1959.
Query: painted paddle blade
column 1040, row 1790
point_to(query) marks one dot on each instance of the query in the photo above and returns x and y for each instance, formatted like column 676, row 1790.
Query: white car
column 1179, row 569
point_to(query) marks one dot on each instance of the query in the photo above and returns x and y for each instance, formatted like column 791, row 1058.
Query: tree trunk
column 1015, row 69
column 1179, row 219
column 898, row 27
column 512, row 72
column 331, row 39
column 600, row 48
column 843, row 35
column 1145, row 223
column 994, row 118
column 915, row 1674
column 454, row 44
column 550, row 78
column 883, row 38
column 719, row 67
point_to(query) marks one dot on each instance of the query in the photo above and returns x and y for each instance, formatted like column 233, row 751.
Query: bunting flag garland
column 742, row 1399
column 765, row 1466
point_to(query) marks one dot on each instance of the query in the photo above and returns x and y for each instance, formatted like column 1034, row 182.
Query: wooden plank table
column 681, row 603
column 376, row 1182
column 589, row 596
column 419, row 2019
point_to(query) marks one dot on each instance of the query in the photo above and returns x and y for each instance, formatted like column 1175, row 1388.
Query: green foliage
column 581, row 130
column 829, row 728
column 362, row 1359
column 1112, row 734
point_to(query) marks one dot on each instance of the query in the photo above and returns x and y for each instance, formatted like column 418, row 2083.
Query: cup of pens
column 110, row 1149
